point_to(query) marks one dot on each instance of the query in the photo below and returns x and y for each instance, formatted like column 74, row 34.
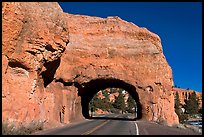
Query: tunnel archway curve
column 90, row 88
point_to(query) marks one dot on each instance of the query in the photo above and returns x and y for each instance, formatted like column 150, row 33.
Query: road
column 116, row 125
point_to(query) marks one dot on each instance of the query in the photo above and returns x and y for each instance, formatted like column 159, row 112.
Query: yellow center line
column 94, row 129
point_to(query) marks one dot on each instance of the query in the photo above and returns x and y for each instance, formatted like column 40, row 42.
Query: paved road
column 116, row 125
column 150, row 128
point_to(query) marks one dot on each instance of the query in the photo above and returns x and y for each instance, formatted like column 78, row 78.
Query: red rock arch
column 40, row 52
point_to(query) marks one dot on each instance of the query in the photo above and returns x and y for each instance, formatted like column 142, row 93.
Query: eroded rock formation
column 113, row 48
column 185, row 93
column 47, row 55
column 34, row 37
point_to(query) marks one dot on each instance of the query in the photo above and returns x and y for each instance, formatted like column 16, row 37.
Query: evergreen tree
column 131, row 104
column 119, row 102
column 105, row 93
column 106, row 105
column 191, row 105
column 177, row 103
column 182, row 117
column 200, row 111
column 98, row 103
column 95, row 103
column 92, row 106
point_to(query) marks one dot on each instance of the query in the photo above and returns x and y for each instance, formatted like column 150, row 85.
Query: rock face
column 184, row 94
column 113, row 48
column 47, row 55
column 34, row 37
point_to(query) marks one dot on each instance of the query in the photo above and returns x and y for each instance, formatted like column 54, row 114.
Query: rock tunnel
column 47, row 51
column 91, row 88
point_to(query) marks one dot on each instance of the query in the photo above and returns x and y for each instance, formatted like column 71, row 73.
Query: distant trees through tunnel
column 110, row 96
column 112, row 100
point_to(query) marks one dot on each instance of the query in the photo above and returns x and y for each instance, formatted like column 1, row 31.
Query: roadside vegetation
column 189, row 110
column 11, row 129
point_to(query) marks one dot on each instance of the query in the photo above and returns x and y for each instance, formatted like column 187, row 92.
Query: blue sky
column 178, row 24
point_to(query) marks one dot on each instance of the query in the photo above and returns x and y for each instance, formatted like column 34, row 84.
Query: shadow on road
column 114, row 118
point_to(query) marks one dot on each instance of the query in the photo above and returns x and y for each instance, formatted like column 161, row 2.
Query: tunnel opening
column 90, row 89
column 113, row 103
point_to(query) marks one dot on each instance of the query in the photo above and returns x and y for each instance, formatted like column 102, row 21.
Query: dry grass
column 161, row 121
column 11, row 129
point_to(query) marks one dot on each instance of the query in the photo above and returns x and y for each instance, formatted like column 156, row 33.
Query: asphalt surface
column 115, row 124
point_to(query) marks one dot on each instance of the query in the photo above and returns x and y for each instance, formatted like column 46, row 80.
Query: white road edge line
column 137, row 129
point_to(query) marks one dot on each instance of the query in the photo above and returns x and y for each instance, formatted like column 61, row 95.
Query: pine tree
column 105, row 93
column 191, row 105
column 177, row 103
column 177, row 100
column 95, row 103
column 106, row 105
column 182, row 117
column 131, row 104
column 119, row 102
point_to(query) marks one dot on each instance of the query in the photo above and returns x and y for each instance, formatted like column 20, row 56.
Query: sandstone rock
column 51, row 59
column 113, row 48
column 184, row 94
column 34, row 35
